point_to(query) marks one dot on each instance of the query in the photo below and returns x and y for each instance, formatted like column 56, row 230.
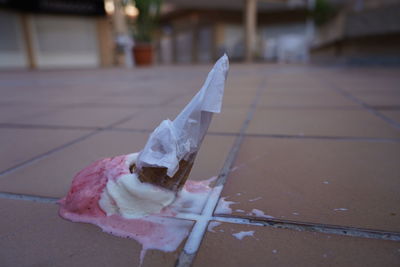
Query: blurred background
column 39, row 34
column 309, row 132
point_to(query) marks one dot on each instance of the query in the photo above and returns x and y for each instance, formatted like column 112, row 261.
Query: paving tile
column 367, row 84
column 282, row 247
column 134, row 100
column 181, row 100
column 294, row 83
column 211, row 157
column 239, row 90
column 229, row 101
column 52, row 176
column 32, row 234
column 19, row 145
column 82, row 117
column 316, row 99
column 242, row 86
column 392, row 114
column 295, row 88
column 10, row 113
column 335, row 182
column 320, row 122
column 379, row 99
column 150, row 118
column 331, row 182
column 238, row 101
column 230, row 120
column 39, row 96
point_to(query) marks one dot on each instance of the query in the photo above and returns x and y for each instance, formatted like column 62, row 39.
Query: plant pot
column 143, row 54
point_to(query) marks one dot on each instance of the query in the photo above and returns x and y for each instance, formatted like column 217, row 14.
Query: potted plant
column 323, row 12
column 149, row 12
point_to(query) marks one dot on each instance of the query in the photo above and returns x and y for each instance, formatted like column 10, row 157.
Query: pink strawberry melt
column 158, row 231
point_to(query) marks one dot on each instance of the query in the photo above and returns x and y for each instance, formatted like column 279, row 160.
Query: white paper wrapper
column 175, row 140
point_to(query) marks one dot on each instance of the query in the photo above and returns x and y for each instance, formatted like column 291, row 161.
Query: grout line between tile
column 254, row 221
column 59, row 148
column 322, row 107
column 45, row 155
column 278, row 136
column 46, row 126
column 312, row 227
column 47, row 200
column 332, row 138
column 386, row 108
column 367, row 107
column 196, row 236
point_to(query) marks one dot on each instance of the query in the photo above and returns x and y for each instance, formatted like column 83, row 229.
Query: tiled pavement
column 309, row 156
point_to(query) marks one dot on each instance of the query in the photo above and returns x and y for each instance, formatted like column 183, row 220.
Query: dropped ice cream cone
column 136, row 185
column 159, row 177
column 130, row 195
column 169, row 154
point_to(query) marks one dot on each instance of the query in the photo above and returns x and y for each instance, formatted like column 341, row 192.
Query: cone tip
column 223, row 62
column 225, row 58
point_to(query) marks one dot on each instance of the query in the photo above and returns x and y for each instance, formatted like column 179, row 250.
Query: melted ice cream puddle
column 88, row 202
column 260, row 213
column 212, row 225
column 341, row 209
column 223, row 206
column 243, row 234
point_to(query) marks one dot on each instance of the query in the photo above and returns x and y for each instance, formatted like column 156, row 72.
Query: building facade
column 203, row 32
column 362, row 32
column 48, row 34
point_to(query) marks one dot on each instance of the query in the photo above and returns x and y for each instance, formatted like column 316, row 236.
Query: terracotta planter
column 143, row 54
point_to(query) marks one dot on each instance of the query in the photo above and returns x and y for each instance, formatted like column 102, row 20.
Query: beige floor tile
column 243, row 85
column 281, row 247
column 293, row 83
column 368, row 84
column 150, row 118
column 349, row 183
column 32, row 234
column 19, row 145
column 295, row 88
column 379, row 99
column 52, row 176
column 61, row 97
column 11, row 113
column 316, row 99
column 135, row 101
column 238, row 101
column 230, row 120
column 84, row 117
column 320, row 122
column 181, row 100
column 211, row 157
column 331, row 182
column 231, row 100
column 392, row 114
